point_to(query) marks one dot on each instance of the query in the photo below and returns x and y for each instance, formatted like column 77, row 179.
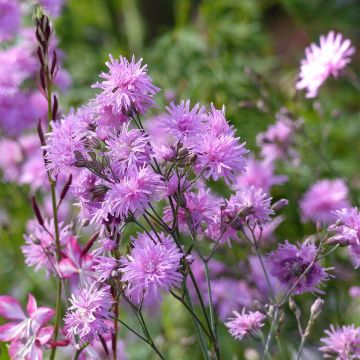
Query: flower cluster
column 156, row 180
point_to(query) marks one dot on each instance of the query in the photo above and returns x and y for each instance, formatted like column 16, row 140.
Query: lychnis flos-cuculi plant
column 156, row 177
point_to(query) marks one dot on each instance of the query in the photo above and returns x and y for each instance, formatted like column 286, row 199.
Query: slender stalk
column 198, row 330
column 45, row 73
column 271, row 333
column 211, row 310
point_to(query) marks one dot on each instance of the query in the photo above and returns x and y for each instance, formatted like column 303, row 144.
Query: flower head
column 182, row 121
column 277, row 141
column 63, row 141
column 289, row 262
column 151, row 266
column 9, row 19
column 129, row 148
column 133, row 193
column 27, row 332
column 341, row 343
column 322, row 61
column 39, row 248
column 260, row 174
column 322, row 199
column 126, row 86
column 219, row 156
column 89, row 310
column 245, row 323
column 347, row 226
column 254, row 199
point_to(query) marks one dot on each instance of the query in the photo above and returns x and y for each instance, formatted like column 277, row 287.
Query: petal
column 12, row 331
column 44, row 334
column 31, row 306
column 41, row 317
column 10, row 308
column 67, row 268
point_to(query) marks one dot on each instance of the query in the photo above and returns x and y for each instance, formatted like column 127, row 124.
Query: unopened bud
column 80, row 160
column 338, row 240
column 189, row 259
column 319, row 226
column 99, row 190
column 316, row 308
column 279, row 205
column 246, row 211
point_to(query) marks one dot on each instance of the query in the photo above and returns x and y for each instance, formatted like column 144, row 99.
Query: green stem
column 211, row 310
column 271, row 333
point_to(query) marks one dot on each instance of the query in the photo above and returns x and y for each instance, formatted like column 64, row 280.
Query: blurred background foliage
column 241, row 53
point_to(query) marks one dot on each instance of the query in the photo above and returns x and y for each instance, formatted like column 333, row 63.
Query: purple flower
column 26, row 332
column 245, row 323
column 251, row 198
column 151, row 266
column 82, row 188
column 322, row 61
column 104, row 266
column 342, row 343
column 126, row 86
column 53, row 7
column 219, row 156
column 346, row 227
column 9, row 19
column 289, row 262
column 277, row 141
column 260, row 174
column 39, row 248
column 228, row 294
column 63, row 140
column 182, row 121
column 128, row 148
column 217, row 124
column 322, row 199
column 198, row 209
column 11, row 158
column 133, row 193
column 76, row 265
column 89, row 310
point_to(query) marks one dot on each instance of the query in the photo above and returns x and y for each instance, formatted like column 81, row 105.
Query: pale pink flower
column 245, row 323
column 322, row 61
column 26, row 332
column 322, row 199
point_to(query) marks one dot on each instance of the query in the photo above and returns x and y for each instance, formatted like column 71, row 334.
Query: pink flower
column 53, row 7
column 219, row 156
column 26, row 333
column 63, row 141
column 322, row 199
column 182, row 121
column 151, row 266
column 89, row 310
column 133, row 193
column 39, row 248
column 245, row 323
column 341, row 343
column 198, row 209
column 126, row 86
column 322, row 61
column 10, row 159
column 260, row 174
column 347, row 226
column 251, row 198
column 9, row 19
column 76, row 265
column 128, row 148
column 277, row 142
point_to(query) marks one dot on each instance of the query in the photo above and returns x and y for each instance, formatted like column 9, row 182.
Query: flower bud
column 319, row 226
column 279, row 205
column 316, row 308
